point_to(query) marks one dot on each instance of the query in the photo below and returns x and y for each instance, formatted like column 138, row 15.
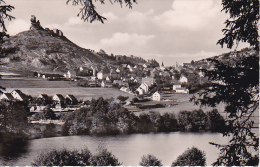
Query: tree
column 63, row 157
column 4, row 14
column 104, row 158
column 150, row 160
column 242, row 24
column 191, row 157
column 88, row 11
column 236, row 83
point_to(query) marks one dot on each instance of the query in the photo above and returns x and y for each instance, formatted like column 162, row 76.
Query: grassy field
column 36, row 86
column 20, row 82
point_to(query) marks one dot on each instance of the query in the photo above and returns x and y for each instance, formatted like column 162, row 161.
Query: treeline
column 191, row 157
column 107, row 117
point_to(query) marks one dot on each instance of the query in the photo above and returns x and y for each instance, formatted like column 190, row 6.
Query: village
column 150, row 87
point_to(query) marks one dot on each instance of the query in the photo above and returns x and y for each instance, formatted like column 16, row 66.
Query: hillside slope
column 44, row 50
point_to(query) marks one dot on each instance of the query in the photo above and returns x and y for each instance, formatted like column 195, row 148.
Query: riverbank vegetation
column 104, row 116
column 100, row 117
column 103, row 157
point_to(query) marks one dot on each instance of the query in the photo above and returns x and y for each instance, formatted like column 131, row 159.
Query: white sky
column 167, row 30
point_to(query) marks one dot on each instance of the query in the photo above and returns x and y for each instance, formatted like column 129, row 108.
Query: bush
column 104, row 158
column 63, row 158
column 150, row 160
column 191, row 157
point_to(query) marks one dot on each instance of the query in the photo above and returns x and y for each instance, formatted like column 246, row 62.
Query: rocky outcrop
column 35, row 24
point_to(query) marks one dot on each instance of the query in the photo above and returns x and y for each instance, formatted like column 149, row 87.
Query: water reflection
column 13, row 151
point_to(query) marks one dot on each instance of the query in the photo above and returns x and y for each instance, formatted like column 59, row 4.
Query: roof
column 9, row 96
column 72, row 97
column 60, row 97
column 21, row 94
column 44, row 96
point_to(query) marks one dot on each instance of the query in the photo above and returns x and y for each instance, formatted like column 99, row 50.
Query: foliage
column 122, row 98
column 105, row 116
column 191, row 157
column 4, row 14
column 236, row 84
column 63, row 157
column 192, row 120
column 242, row 24
column 150, row 160
column 88, row 11
column 104, row 158
column 13, row 120
column 215, row 121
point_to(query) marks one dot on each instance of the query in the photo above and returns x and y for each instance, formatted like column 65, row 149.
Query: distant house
column 174, row 87
column 71, row 100
column 121, row 83
column 18, row 95
column 70, row 74
column 144, row 86
column 103, row 73
column 156, row 96
column 6, row 96
column 140, row 91
column 59, row 101
column 182, row 90
column 183, row 79
column 45, row 98
column 106, row 84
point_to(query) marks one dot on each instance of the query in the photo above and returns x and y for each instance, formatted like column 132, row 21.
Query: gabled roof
column 44, row 96
column 71, row 97
column 20, row 93
column 8, row 95
column 61, row 98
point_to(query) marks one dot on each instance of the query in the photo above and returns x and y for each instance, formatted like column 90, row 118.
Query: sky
column 166, row 30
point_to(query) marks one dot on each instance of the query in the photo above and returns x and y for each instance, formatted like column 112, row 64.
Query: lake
column 127, row 148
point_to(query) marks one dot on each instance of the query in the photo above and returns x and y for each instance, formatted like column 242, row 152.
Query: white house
column 144, row 86
column 6, row 96
column 156, row 96
column 182, row 90
column 183, row 79
column 18, row 95
column 70, row 74
column 140, row 91
column 174, row 87
column 59, row 100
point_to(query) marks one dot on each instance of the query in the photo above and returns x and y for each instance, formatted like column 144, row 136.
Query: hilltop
column 45, row 50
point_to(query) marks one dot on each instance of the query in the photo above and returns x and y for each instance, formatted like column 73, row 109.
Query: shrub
column 150, row 160
column 191, row 157
column 104, row 158
column 63, row 158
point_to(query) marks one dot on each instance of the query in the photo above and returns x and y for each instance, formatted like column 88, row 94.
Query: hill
column 44, row 50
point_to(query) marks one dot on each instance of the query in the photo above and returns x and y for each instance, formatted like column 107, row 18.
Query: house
column 182, row 90
column 18, row 95
column 70, row 74
column 144, row 86
column 140, row 91
column 174, row 87
column 6, row 96
column 106, row 84
column 183, row 79
column 71, row 100
column 103, row 73
column 156, row 96
column 121, row 83
column 59, row 101
column 47, row 99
